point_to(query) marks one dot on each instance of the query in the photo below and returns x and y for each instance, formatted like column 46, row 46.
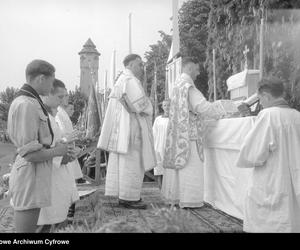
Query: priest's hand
column 244, row 109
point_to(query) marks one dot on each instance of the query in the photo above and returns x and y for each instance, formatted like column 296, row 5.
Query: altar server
column 127, row 135
column 272, row 149
column 64, row 191
column 160, row 127
column 183, row 159
column 66, row 126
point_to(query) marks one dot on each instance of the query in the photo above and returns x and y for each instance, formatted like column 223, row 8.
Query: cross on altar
column 245, row 52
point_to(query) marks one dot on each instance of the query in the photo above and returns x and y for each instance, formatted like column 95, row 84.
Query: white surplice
column 160, row 127
column 185, row 186
column 65, row 124
column 127, row 134
column 272, row 149
column 64, row 191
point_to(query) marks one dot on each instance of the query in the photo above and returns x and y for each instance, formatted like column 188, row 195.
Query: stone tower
column 89, row 64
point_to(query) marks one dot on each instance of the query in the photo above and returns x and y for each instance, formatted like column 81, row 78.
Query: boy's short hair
column 57, row 84
column 38, row 67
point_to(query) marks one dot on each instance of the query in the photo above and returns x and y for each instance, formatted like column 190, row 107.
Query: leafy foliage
column 158, row 54
column 79, row 102
column 234, row 24
column 193, row 32
column 6, row 98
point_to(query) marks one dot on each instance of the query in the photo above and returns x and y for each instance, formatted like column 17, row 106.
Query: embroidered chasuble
column 185, row 124
column 183, row 181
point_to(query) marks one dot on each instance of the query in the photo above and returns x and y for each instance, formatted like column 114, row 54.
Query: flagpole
column 112, row 76
column 155, row 90
column 166, row 86
column 174, row 50
column 214, row 75
column 105, row 90
column 130, row 45
column 175, row 36
column 145, row 79
column 261, row 49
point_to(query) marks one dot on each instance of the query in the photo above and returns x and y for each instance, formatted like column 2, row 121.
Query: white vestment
column 271, row 148
column 160, row 127
column 65, row 125
column 127, row 134
column 185, row 186
column 64, row 190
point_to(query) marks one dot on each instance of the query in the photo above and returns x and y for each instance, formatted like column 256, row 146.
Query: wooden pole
column 166, row 86
column 175, row 36
column 113, row 77
column 130, row 45
column 214, row 74
column 155, row 90
column 145, row 80
column 105, row 90
column 261, row 49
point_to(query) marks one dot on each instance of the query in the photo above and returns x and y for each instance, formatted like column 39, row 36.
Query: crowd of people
column 42, row 183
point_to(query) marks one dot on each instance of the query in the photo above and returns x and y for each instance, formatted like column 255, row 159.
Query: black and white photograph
column 148, row 116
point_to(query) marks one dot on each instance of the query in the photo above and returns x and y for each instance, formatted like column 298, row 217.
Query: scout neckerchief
column 27, row 90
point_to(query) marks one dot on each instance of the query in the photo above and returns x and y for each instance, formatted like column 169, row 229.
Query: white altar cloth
column 225, row 185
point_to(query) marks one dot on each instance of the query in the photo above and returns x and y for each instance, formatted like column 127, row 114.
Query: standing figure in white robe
column 66, row 126
column 127, row 134
column 183, row 182
column 160, row 127
column 64, row 190
column 271, row 148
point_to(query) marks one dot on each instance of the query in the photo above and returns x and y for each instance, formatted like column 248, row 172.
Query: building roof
column 89, row 47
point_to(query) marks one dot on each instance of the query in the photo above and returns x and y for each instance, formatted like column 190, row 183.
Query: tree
column 227, row 26
column 236, row 23
column 193, row 32
column 6, row 98
column 158, row 54
column 79, row 102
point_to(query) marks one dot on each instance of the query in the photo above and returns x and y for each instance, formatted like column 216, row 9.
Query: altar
column 224, row 184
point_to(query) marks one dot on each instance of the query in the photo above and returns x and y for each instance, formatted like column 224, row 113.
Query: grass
column 172, row 220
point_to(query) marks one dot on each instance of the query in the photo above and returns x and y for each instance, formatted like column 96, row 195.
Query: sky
column 56, row 30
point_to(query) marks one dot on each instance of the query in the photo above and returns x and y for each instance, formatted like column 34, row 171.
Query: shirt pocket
column 44, row 134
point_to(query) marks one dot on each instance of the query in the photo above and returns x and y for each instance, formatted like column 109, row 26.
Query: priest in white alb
column 183, row 181
column 271, row 148
column 127, row 134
